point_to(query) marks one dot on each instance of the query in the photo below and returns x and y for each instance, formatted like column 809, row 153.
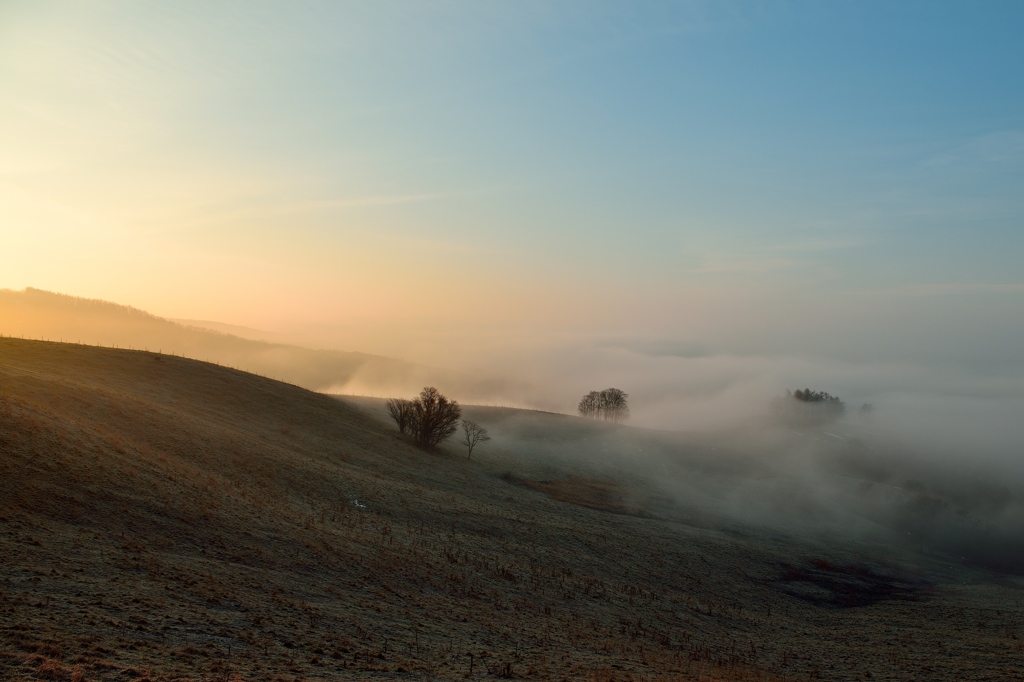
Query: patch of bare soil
column 592, row 493
column 825, row 583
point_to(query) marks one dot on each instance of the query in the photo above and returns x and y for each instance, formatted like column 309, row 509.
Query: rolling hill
column 37, row 314
column 163, row 518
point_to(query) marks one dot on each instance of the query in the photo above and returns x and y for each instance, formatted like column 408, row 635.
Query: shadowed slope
column 170, row 519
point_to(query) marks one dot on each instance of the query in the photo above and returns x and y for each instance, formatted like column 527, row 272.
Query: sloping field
column 162, row 518
column 36, row 314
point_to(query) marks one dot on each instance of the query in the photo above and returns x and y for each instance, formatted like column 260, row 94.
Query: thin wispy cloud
column 961, row 289
column 265, row 208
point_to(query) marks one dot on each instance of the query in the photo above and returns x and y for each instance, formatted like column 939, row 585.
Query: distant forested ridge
column 807, row 407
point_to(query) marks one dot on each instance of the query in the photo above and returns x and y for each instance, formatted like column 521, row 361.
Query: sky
column 834, row 183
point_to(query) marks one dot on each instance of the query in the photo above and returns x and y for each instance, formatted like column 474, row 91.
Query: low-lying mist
column 937, row 462
column 847, row 481
column 924, row 457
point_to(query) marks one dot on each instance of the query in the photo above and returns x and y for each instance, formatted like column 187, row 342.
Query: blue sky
column 749, row 177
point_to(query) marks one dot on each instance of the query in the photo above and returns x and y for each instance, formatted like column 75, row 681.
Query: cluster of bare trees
column 809, row 396
column 430, row 418
column 433, row 417
column 609, row 405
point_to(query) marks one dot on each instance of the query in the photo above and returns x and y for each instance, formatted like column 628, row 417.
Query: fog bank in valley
column 937, row 462
column 928, row 455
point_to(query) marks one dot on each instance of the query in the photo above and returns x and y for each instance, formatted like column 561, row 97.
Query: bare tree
column 609, row 405
column 435, row 417
column 473, row 434
column 401, row 411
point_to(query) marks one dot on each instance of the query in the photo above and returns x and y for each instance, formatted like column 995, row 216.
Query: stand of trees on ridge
column 807, row 408
column 609, row 405
column 430, row 418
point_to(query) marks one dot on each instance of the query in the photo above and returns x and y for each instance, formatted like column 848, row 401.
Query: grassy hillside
column 36, row 314
column 164, row 518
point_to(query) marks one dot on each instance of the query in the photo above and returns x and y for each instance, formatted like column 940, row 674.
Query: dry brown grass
column 593, row 493
column 166, row 519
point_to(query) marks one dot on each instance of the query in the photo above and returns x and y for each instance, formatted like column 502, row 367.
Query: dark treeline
column 609, row 405
column 807, row 407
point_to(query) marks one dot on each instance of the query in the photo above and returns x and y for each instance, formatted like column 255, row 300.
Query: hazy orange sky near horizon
column 792, row 179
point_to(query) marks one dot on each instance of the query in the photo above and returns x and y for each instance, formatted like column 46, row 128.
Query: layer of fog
column 952, row 413
column 936, row 463
column 842, row 484
column 940, row 456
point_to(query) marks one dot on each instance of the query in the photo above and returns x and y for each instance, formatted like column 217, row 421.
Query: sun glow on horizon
column 745, row 181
